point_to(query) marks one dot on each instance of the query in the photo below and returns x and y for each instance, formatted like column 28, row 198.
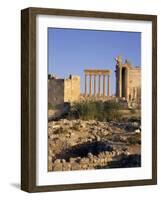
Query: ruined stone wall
column 72, row 89
column 135, row 84
column 63, row 90
column 55, row 91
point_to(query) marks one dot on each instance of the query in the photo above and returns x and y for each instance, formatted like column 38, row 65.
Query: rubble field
column 83, row 145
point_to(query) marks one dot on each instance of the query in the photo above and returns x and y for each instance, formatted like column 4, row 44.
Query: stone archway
column 122, row 82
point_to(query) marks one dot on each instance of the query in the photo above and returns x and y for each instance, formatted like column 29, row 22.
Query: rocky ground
column 82, row 145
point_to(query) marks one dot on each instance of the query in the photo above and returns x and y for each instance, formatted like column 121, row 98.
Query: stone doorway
column 123, row 82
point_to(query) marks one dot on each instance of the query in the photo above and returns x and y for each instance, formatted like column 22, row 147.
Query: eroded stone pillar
column 90, row 88
column 99, row 84
column 94, row 85
column 108, row 92
column 127, row 84
column 119, row 76
column 104, row 85
column 85, row 84
column 135, row 93
column 120, row 82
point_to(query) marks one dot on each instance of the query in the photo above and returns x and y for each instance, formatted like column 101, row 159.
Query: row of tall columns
column 99, row 84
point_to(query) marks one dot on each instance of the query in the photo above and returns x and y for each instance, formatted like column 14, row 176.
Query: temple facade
column 128, row 81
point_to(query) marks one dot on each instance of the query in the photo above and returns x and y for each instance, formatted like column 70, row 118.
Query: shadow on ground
column 82, row 150
column 15, row 185
column 123, row 161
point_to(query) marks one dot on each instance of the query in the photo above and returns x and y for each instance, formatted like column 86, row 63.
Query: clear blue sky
column 70, row 51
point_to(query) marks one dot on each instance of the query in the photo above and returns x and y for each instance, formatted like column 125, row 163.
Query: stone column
column 94, row 85
column 108, row 92
column 99, row 85
column 127, row 84
column 119, row 76
column 120, row 82
column 104, row 85
column 85, row 84
column 90, row 88
column 135, row 93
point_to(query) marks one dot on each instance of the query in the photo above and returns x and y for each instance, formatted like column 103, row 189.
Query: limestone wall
column 55, row 91
column 72, row 89
column 135, row 83
column 63, row 90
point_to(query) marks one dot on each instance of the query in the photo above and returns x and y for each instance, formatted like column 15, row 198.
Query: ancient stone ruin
column 128, row 80
column 100, row 74
column 89, row 130
column 128, row 84
column 63, row 90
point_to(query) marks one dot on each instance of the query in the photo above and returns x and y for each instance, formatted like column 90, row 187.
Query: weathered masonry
column 97, row 84
column 128, row 80
column 94, row 89
column 63, row 90
column 72, row 88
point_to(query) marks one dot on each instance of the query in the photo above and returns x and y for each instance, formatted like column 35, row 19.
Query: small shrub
column 60, row 130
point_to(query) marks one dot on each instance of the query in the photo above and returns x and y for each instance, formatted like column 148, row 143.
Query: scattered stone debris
column 82, row 145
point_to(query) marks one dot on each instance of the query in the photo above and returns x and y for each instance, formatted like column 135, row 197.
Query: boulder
column 75, row 166
column 137, row 131
column 57, row 167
